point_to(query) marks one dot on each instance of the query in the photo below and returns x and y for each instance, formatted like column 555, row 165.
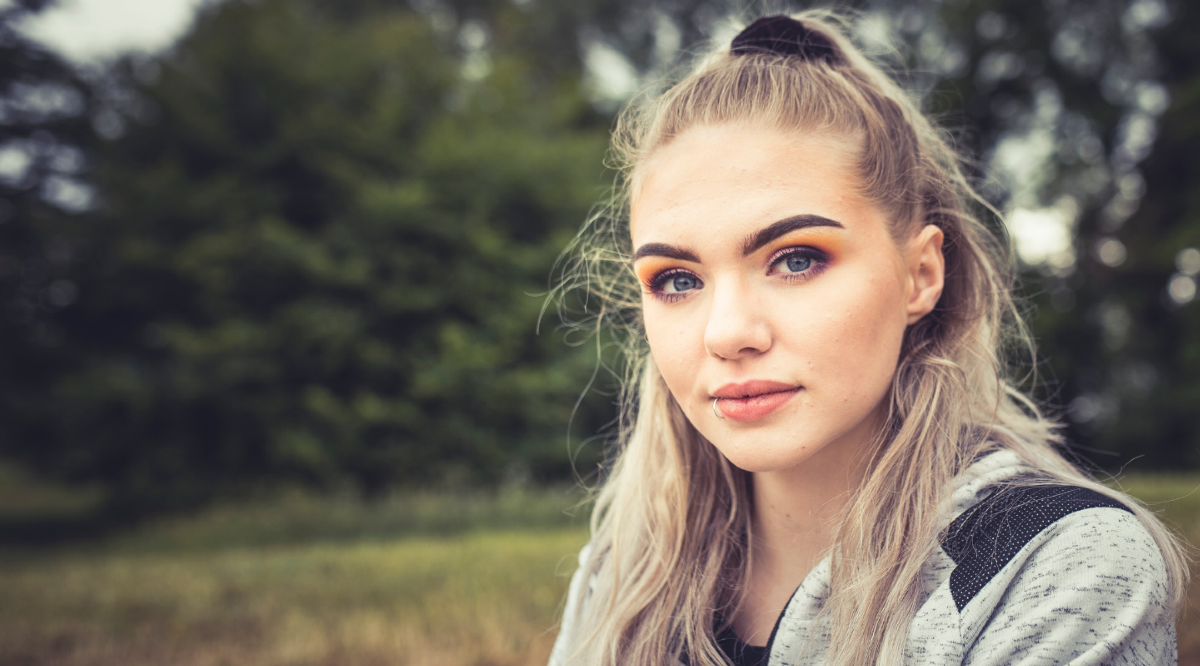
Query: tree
column 1150, row 378
column 1061, row 102
column 313, row 256
column 315, row 227
column 45, row 136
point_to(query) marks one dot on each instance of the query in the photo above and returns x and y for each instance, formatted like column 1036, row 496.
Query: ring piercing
column 716, row 411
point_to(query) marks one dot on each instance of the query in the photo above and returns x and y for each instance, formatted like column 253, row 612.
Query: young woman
column 822, row 460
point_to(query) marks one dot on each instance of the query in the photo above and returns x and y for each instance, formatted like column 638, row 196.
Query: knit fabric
column 989, row 535
column 1032, row 575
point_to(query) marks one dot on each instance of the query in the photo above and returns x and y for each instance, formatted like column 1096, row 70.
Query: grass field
column 414, row 580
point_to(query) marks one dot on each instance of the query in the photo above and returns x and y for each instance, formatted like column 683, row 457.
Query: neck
column 797, row 510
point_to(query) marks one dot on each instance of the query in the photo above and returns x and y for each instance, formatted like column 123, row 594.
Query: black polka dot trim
column 988, row 535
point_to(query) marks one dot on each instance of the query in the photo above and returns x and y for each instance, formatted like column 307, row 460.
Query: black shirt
column 740, row 653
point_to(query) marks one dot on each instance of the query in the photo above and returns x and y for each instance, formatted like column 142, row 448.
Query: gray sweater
column 1032, row 576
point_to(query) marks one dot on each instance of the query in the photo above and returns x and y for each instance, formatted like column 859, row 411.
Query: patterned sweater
column 1028, row 575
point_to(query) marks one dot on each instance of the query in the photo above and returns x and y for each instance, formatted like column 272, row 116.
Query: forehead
column 733, row 175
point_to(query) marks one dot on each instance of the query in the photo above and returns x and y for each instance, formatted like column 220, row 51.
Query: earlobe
column 927, row 272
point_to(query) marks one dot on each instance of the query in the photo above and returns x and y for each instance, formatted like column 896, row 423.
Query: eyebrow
column 783, row 227
column 664, row 250
column 752, row 242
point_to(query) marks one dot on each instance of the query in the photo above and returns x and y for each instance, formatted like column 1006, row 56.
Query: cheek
column 851, row 337
column 676, row 344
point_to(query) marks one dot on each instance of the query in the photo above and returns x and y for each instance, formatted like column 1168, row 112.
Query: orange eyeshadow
column 830, row 240
column 650, row 266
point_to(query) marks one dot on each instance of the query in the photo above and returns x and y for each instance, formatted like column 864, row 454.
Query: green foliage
column 317, row 255
column 1147, row 365
column 44, row 133
column 1085, row 85
column 319, row 232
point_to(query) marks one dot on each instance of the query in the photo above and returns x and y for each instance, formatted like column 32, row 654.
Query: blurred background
column 273, row 388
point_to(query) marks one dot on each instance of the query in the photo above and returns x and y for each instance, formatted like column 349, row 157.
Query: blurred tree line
column 307, row 243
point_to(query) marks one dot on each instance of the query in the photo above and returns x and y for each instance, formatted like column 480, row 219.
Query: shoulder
column 1059, row 573
column 582, row 583
column 577, row 593
column 987, row 538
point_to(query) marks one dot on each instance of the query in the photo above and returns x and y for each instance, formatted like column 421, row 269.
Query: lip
column 753, row 400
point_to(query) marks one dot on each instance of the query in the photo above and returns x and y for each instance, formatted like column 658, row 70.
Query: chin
column 751, row 458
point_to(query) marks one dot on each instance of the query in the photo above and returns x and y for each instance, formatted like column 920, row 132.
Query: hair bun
column 784, row 35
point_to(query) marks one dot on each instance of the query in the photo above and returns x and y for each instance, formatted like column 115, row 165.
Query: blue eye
column 798, row 264
column 682, row 283
column 674, row 284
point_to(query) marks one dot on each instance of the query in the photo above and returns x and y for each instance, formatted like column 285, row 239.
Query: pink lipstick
column 753, row 400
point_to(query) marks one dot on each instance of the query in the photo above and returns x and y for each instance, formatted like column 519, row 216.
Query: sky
column 94, row 30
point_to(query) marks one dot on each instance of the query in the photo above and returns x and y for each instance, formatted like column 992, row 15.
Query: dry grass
column 418, row 581
column 480, row 598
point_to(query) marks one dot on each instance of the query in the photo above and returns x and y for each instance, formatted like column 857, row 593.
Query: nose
column 737, row 325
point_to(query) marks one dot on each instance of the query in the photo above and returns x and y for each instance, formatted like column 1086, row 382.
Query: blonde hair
column 672, row 524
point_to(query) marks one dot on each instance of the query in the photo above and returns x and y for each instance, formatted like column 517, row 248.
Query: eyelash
column 658, row 281
column 818, row 258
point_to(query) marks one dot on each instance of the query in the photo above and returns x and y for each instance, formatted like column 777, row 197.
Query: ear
column 926, row 272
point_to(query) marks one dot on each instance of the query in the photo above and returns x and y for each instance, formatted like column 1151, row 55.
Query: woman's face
column 771, row 286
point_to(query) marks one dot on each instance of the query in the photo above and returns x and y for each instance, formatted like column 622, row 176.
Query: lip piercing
column 717, row 411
